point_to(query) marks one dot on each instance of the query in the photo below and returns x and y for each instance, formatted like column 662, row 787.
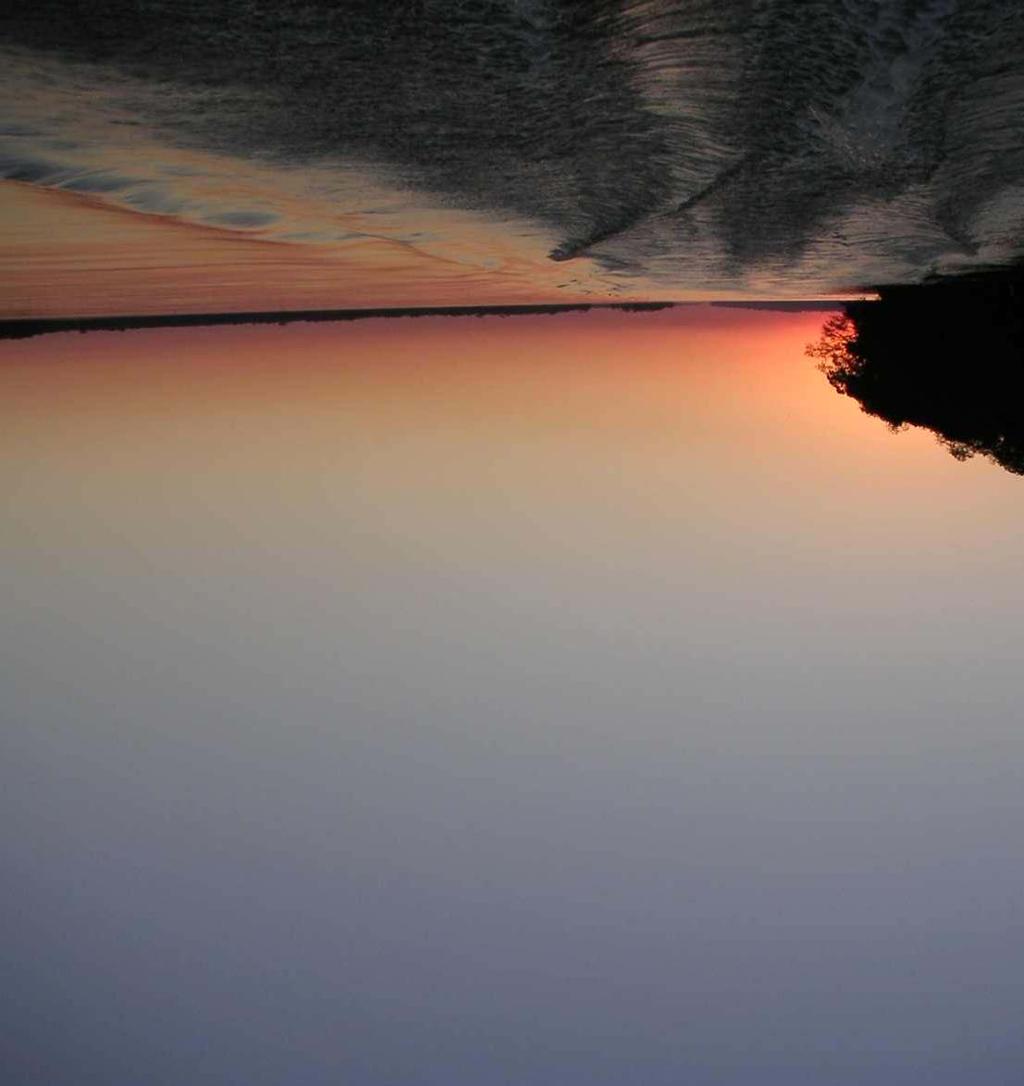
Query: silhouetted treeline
column 22, row 329
column 793, row 306
column 946, row 355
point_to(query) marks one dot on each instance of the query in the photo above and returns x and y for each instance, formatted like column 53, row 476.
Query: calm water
column 651, row 149
column 421, row 703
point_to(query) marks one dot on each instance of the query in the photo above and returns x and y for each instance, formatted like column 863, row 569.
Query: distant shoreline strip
column 23, row 328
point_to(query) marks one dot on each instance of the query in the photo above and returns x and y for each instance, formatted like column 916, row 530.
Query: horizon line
column 26, row 327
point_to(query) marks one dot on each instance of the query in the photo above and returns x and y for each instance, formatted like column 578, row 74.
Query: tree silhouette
column 948, row 356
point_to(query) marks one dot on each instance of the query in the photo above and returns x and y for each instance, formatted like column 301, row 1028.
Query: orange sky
column 669, row 465
column 684, row 381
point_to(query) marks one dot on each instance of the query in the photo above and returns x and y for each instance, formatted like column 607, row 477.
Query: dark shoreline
column 27, row 327
column 946, row 355
column 946, row 287
column 817, row 306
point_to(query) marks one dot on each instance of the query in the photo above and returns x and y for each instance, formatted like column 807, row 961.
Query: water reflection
column 648, row 148
column 947, row 356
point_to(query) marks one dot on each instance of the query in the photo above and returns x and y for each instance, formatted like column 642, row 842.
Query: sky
column 584, row 699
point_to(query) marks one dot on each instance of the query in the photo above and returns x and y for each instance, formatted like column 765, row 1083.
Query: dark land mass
column 784, row 307
column 23, row 329
column 947, row 355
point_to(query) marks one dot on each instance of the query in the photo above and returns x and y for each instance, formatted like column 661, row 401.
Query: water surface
column 505, row 151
